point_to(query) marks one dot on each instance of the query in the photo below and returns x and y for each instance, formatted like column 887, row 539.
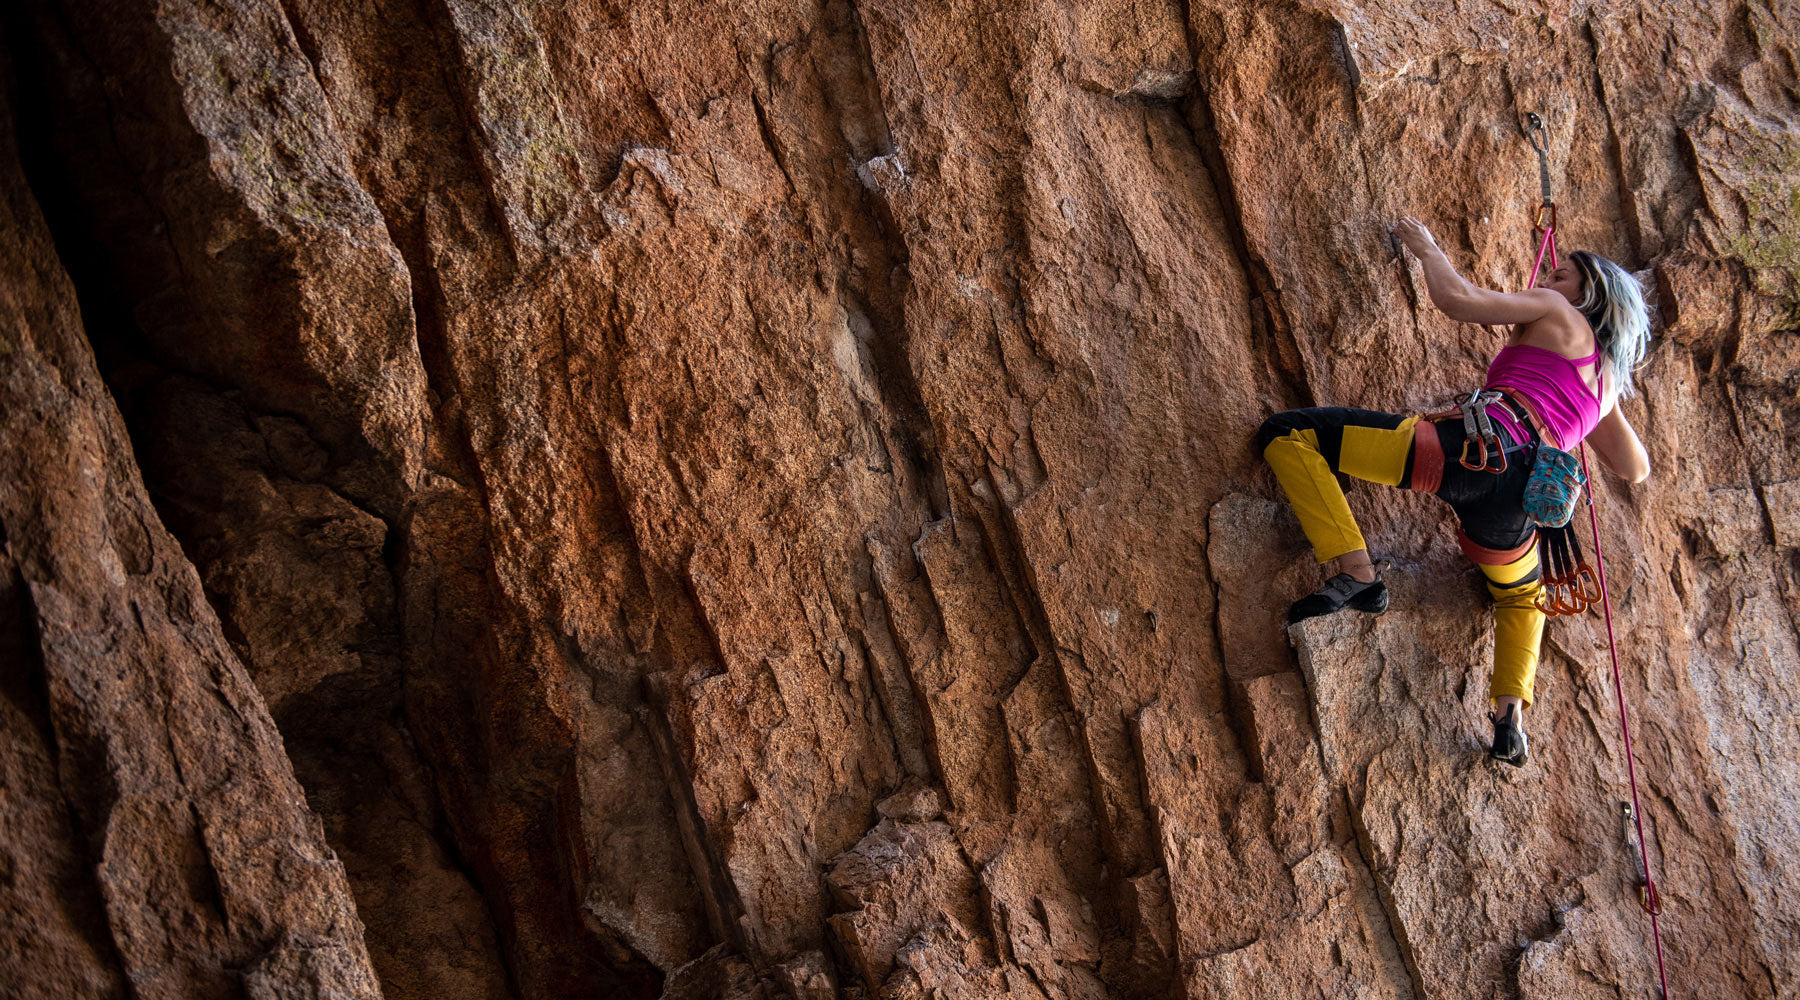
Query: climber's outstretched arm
column 1465, row 302
column 1619, row 449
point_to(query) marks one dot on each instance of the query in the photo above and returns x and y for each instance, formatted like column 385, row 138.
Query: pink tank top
column 1553, row 385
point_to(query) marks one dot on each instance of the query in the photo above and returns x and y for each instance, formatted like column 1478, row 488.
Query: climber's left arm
column 1619, row 449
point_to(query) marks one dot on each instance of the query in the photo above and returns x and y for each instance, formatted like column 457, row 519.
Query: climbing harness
column 1544, row 230
column 1479, row 432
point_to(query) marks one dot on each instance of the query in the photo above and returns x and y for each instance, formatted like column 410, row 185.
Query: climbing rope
column 1544, row 229
column 1647, row 896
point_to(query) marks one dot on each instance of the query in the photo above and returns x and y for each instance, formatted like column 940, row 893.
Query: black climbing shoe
column 1340, row 592
column 1509, row 739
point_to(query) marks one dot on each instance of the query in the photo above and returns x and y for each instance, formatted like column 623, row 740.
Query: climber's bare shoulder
column 1560, row 328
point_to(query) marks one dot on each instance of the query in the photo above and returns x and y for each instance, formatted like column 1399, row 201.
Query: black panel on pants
column 1491, row 506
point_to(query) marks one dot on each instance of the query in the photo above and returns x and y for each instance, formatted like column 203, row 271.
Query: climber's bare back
column 1561, row 328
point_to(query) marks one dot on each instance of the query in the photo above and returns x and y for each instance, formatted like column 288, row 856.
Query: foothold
column 914, row 801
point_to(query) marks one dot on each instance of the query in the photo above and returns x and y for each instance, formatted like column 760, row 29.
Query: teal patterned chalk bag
column 1554, row 488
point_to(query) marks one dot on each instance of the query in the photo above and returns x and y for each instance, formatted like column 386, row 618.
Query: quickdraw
column 1543, row 230
column 1478, row 430
column 1647, row 898
column 1569, row 584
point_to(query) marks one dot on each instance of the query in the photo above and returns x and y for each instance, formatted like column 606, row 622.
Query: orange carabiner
column 1481, row 457
column 1481, row 462
column 1590, row 593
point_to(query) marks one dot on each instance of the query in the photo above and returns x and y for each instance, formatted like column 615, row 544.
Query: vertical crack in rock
column 1292, row 381
column 308, row 45
column 1615, row 147
column 1384, row 890
column 1271, row 325
column 1758, row 486
column 769, row 141
column 725, row 911
column 1346, row 53
column 891, row 669
column 1237, row 709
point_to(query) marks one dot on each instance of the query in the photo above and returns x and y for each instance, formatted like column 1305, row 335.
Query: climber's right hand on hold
column 1413, row 233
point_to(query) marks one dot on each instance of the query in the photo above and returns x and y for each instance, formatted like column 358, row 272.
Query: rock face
column 731, row 500
column 155, row 841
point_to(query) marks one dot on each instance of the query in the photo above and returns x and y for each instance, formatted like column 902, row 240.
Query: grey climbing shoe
column 1509, row 739
column 1340, row 592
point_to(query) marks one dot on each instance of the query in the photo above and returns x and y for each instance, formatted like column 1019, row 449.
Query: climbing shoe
column 1340, row 592
column 1509, row 739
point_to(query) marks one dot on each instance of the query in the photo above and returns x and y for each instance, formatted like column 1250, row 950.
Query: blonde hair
column 1614, row 306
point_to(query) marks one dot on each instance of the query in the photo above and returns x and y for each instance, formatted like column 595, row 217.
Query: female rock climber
column 1574, row 344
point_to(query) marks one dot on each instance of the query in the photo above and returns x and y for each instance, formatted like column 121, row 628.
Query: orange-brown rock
column 744, row 500
column 153, row 839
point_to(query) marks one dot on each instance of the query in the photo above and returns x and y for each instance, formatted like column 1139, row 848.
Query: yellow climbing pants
column 1306, row 447
column 1518, row 624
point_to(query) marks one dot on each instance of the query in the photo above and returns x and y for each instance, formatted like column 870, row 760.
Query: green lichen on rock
column 1769, row 240
column 548, row 168
column 516, row 103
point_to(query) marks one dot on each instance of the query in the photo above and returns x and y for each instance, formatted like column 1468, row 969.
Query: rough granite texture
column 153, row 840
column 735, row 500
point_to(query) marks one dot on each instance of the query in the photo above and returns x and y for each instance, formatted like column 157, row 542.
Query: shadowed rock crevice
column 174, row 795
column 205, row 455
column 216, row 486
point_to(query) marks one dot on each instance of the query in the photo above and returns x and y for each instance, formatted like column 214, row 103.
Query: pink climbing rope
column 1650, row 901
